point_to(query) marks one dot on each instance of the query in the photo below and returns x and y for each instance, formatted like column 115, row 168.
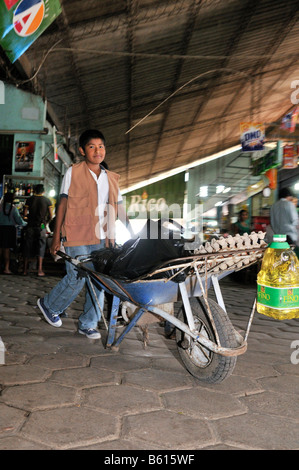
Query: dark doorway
column 6, row 154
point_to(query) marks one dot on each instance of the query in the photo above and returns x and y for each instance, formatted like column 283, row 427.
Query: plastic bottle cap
column 279, row 241
column 279, row 238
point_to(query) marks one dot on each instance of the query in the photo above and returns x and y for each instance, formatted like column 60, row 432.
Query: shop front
column 31, row 150
column 161, row 200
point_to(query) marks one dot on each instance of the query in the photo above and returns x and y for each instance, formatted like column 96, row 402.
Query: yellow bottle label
column 278, row 298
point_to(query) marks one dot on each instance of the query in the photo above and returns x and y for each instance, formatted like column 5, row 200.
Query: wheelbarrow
column 207, row 342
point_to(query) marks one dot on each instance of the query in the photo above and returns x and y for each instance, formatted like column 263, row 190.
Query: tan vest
column 81, row 222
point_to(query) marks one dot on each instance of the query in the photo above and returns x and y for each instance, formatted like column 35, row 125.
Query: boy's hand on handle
column 55, row 246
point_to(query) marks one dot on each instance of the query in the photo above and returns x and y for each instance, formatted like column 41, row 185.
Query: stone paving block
column 39, row 396
column 22, row 374
column 78, row 344
column 100, row 382
column 135, row 347
column 14, row 358
column 168, row 430
column 173, row 364
column 30, row 345
column 85, row 377
column 6, row 309
column 13, row 331
column 258, row 431
column 17, row 443
column 281, row 384
column 159, row 380
column 59, row 361
column 4, row 324
column 254, row 370
column 69, row 427
column 259, row 357
column 222, row 447
column 272, row 403
column 279, row 351
column 11, row 419
column 121, row 400
column 120, row 444
column 235, row 385
column 30, row 322
column 120, row 362
column 203, row 403
column 288, row 369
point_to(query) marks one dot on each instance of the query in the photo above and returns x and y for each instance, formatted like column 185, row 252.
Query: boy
column 86, row 223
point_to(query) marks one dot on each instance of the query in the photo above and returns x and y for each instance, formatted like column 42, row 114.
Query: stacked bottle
column 278, row 281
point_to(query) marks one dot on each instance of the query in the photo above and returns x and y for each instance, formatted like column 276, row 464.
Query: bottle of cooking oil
column 278, row 281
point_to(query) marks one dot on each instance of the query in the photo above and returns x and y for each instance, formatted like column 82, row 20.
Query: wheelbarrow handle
column 68, row 258
column 63, row 255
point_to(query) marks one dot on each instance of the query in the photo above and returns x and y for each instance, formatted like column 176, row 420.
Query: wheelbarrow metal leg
column 130, row 326
column 185, row 298
column 218, row 293
column 113, row 320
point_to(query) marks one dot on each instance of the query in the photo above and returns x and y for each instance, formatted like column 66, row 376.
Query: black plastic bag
column 103, row 259
column 141, row 256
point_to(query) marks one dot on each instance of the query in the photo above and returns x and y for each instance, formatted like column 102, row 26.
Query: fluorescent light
column 226, row 190
column 203, row 191
column 220, row 189
column 218, row 203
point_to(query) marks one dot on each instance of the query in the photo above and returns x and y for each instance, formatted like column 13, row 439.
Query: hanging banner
column 272, row 177
column 289, row 121
column 23, row 21
column 260, row 165
column 290, row 156
column 56, row 159
column 252, row 136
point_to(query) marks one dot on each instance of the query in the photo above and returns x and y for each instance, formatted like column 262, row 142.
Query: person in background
column 242, row 225
column 38, row 208
column 9, row 220
column 284, row 216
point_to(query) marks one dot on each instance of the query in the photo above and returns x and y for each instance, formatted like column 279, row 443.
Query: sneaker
column 54, row 320
column 91, row 333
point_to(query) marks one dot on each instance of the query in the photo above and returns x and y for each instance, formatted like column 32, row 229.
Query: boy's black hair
column 86, row 136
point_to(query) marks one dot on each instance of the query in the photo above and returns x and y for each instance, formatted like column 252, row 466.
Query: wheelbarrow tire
column 202, row 363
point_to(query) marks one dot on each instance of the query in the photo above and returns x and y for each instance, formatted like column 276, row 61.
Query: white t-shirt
column 103, row 193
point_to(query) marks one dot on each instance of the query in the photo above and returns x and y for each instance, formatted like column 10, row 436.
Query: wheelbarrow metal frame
column 125, row 291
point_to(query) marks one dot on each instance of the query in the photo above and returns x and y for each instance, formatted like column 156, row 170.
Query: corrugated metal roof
column 167, row 81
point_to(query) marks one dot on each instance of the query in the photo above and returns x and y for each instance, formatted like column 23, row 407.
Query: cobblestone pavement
column 59, row 390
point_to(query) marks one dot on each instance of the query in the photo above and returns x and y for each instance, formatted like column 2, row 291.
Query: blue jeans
column 65, row 292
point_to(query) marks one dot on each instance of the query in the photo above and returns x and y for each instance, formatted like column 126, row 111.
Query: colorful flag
column 289, row 121
column 252, row 136
column 22, row 22
column 10, row 3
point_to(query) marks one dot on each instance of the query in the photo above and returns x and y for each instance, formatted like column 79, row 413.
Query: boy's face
column 94, row 151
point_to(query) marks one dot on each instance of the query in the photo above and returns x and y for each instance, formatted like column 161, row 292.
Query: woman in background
column 9, row 220
column 242, row 225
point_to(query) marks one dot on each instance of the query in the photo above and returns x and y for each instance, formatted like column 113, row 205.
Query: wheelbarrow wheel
column 202, row 363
